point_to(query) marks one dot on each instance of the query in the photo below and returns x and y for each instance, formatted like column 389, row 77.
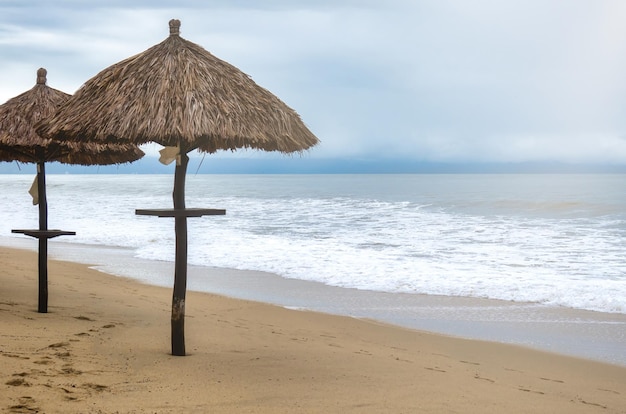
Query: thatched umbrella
column 20, row 142
column 177, row 94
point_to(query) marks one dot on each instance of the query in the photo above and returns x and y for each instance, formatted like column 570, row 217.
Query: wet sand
column 104, row 348
column 592, row 335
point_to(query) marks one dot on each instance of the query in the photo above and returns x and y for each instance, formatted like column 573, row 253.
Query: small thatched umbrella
column 20, row 142
column 179, row 95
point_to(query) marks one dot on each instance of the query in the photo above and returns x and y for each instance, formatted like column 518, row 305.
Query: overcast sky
column 429, row 80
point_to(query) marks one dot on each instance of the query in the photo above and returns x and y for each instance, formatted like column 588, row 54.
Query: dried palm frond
column 19, row 141
column 177, row 93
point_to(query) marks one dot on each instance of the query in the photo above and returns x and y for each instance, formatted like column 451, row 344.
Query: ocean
column 532, row 241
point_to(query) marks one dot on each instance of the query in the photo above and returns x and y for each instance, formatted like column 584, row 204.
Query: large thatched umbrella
column 20, row 142
column 179, row 95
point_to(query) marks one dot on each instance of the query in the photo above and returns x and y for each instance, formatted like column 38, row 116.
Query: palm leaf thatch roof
column 19, row 141
column 177, row 93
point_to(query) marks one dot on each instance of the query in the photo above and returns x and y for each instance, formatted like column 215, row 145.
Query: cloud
column 432, row 80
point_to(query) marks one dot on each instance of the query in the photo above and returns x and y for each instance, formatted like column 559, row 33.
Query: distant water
column 549, row 239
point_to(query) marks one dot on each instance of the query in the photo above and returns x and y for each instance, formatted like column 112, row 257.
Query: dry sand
column 104, row 348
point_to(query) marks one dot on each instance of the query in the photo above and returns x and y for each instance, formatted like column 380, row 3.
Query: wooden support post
column 180, row 272
column 43, row 241
column 180, row 214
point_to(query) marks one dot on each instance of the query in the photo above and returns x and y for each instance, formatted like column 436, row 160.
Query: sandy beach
column 104, row 348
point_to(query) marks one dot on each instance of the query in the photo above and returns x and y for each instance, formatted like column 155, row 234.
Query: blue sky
column 426, row 81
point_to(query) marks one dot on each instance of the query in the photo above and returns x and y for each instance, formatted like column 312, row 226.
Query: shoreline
column 585, row 334
column 104, row 347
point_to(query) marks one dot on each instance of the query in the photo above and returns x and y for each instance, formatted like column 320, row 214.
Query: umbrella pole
column 43, row 241
column 180, row 272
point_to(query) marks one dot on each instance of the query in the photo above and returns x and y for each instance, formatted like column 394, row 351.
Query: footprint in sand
column 68, row 394
column 69, row 370
column 83, row 318
column 59, row 345
column 61, row 351
column 26, row 405
column 14, row 356
column 532, row 391
column 95, row 387
column 44, row 361
column 611, row 391
column 63, row 354
column 592, row 404
column 7, row 304
column 478, row 377
column 18, row 382
column 552, row 380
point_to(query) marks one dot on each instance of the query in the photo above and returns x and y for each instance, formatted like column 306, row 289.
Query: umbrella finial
column 41, row 76
column 174, row 27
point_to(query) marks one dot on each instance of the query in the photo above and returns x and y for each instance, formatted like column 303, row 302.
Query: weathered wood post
column 42, row 306
column 42, row 234
column 180, row 213
column 180, row 271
